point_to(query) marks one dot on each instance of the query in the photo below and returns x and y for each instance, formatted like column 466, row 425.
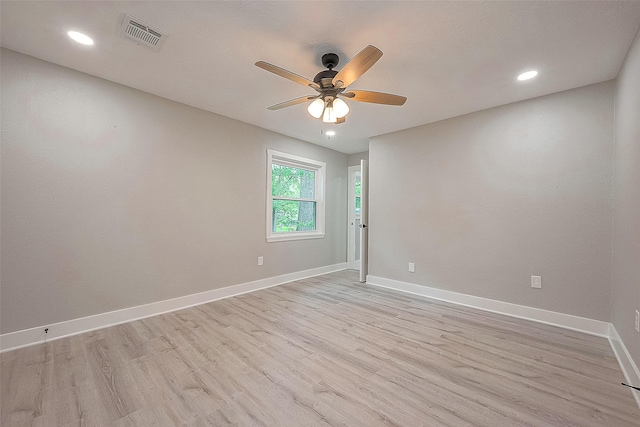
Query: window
column 295, row 197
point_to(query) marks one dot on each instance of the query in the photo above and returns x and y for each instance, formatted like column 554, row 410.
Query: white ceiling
column 448, row 58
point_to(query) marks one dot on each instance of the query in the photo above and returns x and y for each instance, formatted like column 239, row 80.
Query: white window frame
column 319, row 168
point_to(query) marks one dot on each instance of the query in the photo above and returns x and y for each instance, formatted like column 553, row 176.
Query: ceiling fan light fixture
column 316, row 108
column 329, row 115
column 340, row 107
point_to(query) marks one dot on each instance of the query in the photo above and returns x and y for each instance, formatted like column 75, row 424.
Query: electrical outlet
column 260, row 260
column 637, row 321
column 412, row 267
column 536, row 282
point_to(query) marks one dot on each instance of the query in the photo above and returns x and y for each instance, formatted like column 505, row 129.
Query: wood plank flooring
column 318, row 352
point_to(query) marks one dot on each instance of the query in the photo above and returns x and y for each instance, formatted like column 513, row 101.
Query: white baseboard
column 629, row 368
column 27, row 337
column 32, row 336
column 567, row 321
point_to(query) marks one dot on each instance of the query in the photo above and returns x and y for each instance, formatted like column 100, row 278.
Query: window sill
column 294, row 236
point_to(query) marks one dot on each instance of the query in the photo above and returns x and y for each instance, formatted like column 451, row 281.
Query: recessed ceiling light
column 80, row 38
column 527, row 75
column 330, row 132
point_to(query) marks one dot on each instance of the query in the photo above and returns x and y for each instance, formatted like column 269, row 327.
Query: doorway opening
column 355, row 219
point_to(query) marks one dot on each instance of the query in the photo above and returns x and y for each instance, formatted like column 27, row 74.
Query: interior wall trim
column 567, row 321
column 562, row 320
column 32, row 336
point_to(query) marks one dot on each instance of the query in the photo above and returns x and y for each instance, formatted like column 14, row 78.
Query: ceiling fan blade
column 292, row 102
column 358, row 65
column 375, row 97
column 287, row 74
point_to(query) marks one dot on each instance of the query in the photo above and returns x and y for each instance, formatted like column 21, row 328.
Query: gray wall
column 483, row 201
column 626, row 232
column 354, row 159
column 113, row 198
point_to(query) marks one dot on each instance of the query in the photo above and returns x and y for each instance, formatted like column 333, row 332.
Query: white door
column 364, row 219
column 354, row 182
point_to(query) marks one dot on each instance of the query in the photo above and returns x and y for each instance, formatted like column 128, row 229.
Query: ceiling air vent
column 142, row 34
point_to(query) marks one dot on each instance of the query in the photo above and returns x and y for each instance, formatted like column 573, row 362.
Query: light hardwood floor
column 321, row 351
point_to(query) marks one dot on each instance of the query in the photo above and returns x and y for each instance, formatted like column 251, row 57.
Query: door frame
column 351, row 218
column 364, row 220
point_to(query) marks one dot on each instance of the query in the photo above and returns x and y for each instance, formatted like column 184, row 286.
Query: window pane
column 287, row 181
column 358, row 192
column 291, row 215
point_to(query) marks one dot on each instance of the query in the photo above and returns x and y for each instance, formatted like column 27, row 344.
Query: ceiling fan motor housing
column 325, row 78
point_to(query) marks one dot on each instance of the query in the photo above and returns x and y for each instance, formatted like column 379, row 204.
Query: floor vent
column 137, row 31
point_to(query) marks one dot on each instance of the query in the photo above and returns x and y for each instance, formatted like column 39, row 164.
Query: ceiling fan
column 331, row 86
